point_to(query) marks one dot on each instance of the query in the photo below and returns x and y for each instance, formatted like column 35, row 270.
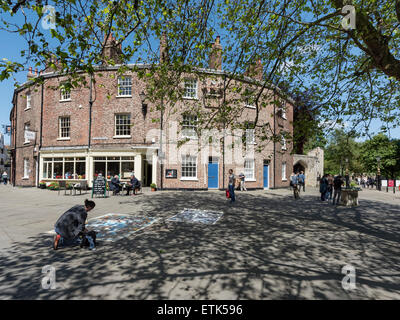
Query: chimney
column 164, row 49
column 30, row 74
column 112, row 50
column 215, row 60
column 255, row 70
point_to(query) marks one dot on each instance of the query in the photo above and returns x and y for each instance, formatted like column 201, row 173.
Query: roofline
column 272, row 86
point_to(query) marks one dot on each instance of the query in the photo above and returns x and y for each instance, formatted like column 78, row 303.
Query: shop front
column 75, row 166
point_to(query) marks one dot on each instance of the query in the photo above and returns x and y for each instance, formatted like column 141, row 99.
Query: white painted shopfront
column 83, row 164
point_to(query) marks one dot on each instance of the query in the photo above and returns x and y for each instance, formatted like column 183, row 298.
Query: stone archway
column 300, row 165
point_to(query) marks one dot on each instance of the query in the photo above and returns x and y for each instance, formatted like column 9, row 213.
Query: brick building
column 107, row 127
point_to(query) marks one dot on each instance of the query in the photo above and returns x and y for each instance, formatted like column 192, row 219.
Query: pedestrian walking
column 323, row 187
column 231, row 185
column 242, row 182
column 5, row 177
column 329, row 191
column 294, row 183
column 337, row 184
column 302, row 181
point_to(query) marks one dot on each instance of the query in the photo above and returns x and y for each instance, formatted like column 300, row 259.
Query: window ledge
column 122, row 137
column 249, row 180
column 27, row 108
column 63, row 139
column 284, row 180
column 250, row 107
column 189, row 179
column 190, row 98
column 25, row 178
column 27, row 142
column 66, row 100
column 124, row 96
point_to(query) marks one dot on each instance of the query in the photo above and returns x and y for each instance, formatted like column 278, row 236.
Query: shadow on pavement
column 264, row 247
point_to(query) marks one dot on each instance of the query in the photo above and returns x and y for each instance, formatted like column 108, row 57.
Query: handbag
column 228, row 195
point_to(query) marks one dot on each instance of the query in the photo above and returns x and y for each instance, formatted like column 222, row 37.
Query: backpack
column 85, row 241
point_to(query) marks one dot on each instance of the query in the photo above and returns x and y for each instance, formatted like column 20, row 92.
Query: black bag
column 85, row 241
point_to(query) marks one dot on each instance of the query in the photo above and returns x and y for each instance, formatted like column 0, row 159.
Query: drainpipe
column 223, row 140
column 274, row 144
column 40, row 137
column 161, row 142
column 15, row 139
column 90, row 112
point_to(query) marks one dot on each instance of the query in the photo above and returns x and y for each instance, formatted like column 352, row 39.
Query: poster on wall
column 171, row 173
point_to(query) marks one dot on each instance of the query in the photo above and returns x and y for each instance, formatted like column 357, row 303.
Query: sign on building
column 29, row 135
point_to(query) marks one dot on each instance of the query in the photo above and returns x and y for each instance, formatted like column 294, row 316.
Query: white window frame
column 284, row 144
column 188, row 87
column 116, row 135
column 282, row 109
column 189, row 126
column 250, row 98
column 249, row 170
column 124, row 84
column 26, row 128
column 26, row 168
column 250, row 136
column 62, row 126
column 284, row 178
column 187, row 162
column 28, row 101
column 65, row 95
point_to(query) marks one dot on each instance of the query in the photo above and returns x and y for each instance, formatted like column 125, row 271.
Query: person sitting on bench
column 115, row 185
column 134, row 185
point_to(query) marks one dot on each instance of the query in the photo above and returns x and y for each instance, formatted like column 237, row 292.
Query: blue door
column 266, row 169
column 213, row 175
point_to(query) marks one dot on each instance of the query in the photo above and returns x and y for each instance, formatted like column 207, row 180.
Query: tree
column 342, row 146
column 354, row 74
column 308, row 133
column 387, row 150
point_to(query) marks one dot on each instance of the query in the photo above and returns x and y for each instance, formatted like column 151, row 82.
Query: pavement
column 266, row 246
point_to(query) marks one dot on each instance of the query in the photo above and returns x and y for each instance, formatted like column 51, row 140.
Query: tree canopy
column 353, row 74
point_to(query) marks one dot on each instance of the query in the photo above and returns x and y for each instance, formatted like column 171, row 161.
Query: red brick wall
column 106, row 104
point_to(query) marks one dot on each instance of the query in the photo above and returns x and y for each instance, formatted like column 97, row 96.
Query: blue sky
column 12, row 44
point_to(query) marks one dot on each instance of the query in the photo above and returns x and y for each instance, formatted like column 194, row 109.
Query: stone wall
column 313, row 164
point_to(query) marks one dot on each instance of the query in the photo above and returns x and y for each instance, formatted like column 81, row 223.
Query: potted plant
column 153, row 187
column 42, row 185
column 53, row 186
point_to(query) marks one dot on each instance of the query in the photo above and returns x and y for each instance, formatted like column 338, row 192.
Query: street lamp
column 142, row 96
column 347, row 174
column 378, row 159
